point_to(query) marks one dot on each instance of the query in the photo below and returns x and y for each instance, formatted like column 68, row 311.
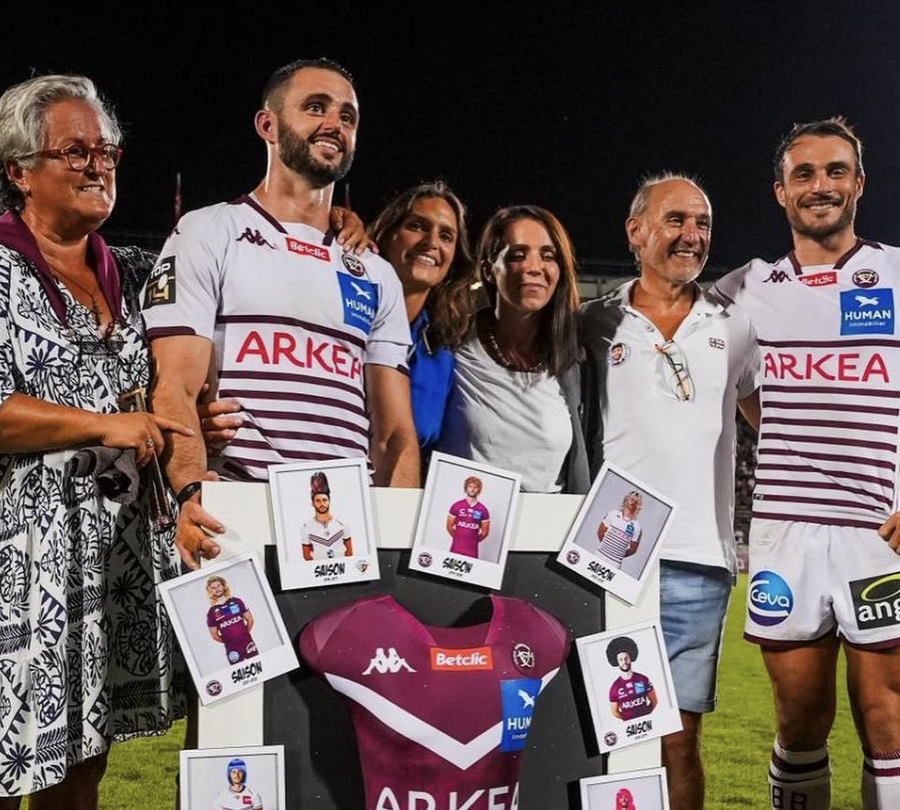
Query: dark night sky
column 564, row 106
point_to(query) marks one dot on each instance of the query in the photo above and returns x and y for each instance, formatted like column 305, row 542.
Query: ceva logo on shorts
column 770, row 600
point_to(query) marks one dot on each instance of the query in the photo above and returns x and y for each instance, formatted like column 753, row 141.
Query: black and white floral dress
column 86, row 653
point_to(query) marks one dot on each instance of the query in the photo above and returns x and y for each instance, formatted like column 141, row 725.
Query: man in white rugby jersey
column 666, row 368
column 824, row 571
column 255, row 297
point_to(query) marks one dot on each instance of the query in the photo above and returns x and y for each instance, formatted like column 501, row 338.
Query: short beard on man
column 295, row 153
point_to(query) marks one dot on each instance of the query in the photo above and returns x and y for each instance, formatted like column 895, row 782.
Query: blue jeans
column 693, row 601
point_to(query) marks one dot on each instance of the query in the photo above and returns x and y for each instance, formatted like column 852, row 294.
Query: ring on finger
column 149, row 443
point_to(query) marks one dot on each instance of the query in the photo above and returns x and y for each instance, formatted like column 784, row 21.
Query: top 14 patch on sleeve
column 359, row 298
column 160, row 287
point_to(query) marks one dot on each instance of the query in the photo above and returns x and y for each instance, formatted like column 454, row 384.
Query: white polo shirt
column 684, row 449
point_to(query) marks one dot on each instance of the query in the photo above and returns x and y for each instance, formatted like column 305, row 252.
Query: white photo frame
column 205, row 781
column 252, row 649
column 630, row 705
column 463, row 555
column 621, row 560
column 298, row 495
column 632, row 790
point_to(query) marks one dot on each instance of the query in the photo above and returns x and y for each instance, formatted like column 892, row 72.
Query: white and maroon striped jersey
column 326, row 540
column 293, row 320
column 619, row 535
column 831, row 385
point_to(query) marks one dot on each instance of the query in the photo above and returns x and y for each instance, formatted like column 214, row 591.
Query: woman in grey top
column 515, row 397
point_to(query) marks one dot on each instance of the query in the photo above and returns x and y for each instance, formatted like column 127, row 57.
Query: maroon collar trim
column 15, row 235
column 247, row 199
column 860, row 243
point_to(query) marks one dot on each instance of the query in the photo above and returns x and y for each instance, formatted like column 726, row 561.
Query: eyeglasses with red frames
column 79, row 156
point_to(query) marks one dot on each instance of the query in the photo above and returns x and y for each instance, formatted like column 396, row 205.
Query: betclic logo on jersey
column 819, row 279
column 876, row 601
column 770, row 600
column 359, row 297
column 469, row 660
column 867, row 312
column 519, row 696
column 307, row 249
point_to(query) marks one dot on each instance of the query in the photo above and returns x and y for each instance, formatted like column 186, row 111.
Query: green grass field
column 739, row 734
column 738, row 739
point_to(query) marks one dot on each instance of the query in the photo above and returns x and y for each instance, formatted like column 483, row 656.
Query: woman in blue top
column 422, row 233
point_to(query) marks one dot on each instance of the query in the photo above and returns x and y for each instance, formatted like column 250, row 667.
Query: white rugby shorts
column 808, row 581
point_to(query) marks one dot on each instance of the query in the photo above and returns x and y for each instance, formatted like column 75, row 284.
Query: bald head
column 669, row 227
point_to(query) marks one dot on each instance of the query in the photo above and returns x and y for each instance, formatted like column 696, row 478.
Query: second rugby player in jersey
column 821, row 577
column 254, row 297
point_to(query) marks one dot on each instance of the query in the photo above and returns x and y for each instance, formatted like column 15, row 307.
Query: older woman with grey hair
column 85, row 648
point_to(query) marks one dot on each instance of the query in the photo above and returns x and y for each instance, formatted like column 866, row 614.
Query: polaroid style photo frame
column 617, row 534
column 250, row 777
column 633, row 790
column 324, row 530
column 629, row 685
column 466, row 521
column 228, row 626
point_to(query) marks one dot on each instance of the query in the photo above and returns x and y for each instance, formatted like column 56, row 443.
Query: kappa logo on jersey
column 770, row 600
column 777, row 277
column 476, row 658
column 865, row 278
column 306, row 249
column 518, row 696
column 354, row 265
column 161, row 284
column 869, row 313
column 254, row 237
column 819, row 279
column 389, row 664
column 876, row 601
column 360, row 300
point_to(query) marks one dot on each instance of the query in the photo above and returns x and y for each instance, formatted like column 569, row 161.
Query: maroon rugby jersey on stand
column 441, row 714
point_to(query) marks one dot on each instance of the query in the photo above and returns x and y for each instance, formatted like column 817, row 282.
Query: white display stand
column 542, row 523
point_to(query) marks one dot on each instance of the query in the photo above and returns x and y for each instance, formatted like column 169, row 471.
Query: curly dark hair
column 618, row 645
column 451, row 303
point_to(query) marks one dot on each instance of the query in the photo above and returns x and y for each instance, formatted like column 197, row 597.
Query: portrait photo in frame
column 629, row 685
column 617, row 534
column 248, row 777
column 632, row 790
column 229, row 627
column 324, row 530
column 466, row 521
